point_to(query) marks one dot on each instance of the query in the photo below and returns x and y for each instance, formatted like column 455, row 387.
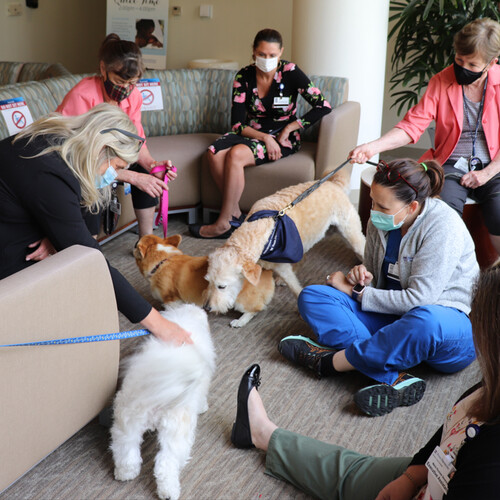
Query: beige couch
column 196, row 110
column 48, row 393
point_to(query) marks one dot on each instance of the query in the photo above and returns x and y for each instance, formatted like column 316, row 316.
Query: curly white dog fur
column 164, row 389
column 237, row 258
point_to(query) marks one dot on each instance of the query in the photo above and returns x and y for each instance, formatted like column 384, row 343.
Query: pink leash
column 163, row 210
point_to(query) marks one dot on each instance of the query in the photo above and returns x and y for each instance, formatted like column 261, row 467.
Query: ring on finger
column 328, row 277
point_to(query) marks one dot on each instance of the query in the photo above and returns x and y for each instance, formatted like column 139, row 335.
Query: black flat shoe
column 240, row 436
column 194, row 229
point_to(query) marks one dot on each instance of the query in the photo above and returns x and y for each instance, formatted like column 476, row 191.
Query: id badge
column 281, row 102
column 462, row 164
column 126, row 188
column 393, row 271
column 115, row 206
column 440, row 469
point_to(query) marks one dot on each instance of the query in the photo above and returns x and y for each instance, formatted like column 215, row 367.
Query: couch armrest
column 338, row 134
column 49, row 392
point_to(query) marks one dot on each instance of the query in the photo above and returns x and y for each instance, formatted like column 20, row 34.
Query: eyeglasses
column 126, row 133
column 392, row 176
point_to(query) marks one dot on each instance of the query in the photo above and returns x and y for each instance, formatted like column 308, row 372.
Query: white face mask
column 265, row 64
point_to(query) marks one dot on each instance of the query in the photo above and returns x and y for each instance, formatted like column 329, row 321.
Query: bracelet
column 412, row 479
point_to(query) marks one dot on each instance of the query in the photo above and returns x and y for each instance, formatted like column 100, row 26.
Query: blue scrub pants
column 382, row 345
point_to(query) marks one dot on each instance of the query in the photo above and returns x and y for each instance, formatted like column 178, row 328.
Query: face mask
column 385, row 222
column 466, row 76
column 117, row 92
column 107, row 178
column 265, row 64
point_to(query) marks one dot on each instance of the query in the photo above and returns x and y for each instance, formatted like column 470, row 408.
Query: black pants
column 488, row 196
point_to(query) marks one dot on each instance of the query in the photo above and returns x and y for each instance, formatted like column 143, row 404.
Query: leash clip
column 281, row 213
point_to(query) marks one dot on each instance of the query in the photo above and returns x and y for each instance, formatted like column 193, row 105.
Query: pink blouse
column 89, row 92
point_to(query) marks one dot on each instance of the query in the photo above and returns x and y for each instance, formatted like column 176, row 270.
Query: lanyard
column 479, row 114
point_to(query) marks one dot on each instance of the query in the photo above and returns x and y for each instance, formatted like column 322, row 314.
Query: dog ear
column 141, row 247
column 252, row 272
column 174, row 240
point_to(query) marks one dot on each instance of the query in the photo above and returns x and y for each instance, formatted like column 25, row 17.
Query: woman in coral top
column 264, row 124
column 464, row 101
column 120, row 67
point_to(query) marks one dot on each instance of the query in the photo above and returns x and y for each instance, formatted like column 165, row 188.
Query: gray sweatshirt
column 437, row 263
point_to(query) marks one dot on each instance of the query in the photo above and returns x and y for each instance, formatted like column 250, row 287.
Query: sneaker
column 380, row 399
column 303, row 351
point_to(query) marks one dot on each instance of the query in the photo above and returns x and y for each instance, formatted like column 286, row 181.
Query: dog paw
column 237, row 323
column 126, row 472
column 203, row 408
column 170, row 490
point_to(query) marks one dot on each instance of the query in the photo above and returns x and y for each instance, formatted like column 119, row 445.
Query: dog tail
column 342, row 178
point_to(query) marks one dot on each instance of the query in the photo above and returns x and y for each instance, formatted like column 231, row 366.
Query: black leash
column 309, row 190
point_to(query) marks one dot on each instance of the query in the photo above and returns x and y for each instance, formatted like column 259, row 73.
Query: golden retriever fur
column 239, row 257
column 176, row 276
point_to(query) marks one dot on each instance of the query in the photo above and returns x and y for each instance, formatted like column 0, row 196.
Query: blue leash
column 88, row 338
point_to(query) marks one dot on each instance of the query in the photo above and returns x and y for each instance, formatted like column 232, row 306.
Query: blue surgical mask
column 385, row 222
column 107, row 178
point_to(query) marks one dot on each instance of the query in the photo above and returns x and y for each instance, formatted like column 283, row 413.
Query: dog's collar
column 157, row 267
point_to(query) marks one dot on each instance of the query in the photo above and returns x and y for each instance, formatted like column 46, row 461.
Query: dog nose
column 207, row 307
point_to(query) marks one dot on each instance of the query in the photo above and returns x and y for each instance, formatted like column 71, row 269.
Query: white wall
column 346, row 38
column 229, row 34
column 65, row 31
column 390, row 115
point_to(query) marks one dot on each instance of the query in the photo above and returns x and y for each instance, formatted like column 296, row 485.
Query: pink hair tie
column 163, row 210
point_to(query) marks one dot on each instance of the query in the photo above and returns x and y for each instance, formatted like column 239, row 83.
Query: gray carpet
column 82, row 468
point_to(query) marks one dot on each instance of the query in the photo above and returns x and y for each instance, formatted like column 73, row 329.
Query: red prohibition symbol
column 147, row 97
column 19, row 119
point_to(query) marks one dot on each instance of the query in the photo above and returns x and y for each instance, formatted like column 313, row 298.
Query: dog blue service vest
column 284, row 244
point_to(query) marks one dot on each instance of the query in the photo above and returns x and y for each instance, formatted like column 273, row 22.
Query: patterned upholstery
column 41, row 71
column 9, row 71
column 60, row 86
column 334, row 89
column 194, row 100
column 37, row 96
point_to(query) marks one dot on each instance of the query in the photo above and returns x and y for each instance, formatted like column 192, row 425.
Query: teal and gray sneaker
column 380, row 399
column 303, row 351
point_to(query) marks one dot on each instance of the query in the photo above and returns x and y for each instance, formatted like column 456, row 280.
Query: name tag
column 440, row 468
column 281, row 102
column 462, row 164
column 393, row 271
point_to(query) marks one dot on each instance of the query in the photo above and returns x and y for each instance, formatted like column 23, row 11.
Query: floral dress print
column 270, row 115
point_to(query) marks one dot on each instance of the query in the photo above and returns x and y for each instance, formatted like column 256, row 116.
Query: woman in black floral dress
column 264, row 124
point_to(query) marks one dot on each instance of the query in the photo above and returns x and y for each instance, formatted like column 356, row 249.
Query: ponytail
column 423, row 180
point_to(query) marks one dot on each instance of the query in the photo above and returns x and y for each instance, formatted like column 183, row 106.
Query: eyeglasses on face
column 393, row 176
column 126, row 133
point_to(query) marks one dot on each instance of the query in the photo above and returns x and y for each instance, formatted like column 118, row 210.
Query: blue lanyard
column 88, row 338
column 479, row 114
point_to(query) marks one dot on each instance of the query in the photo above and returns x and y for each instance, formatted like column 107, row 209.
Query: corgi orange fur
column 176, row 276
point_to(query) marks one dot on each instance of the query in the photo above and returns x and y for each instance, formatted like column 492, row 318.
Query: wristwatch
column 357, row 290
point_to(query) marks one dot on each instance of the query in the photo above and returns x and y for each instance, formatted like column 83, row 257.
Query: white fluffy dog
column 164, row 388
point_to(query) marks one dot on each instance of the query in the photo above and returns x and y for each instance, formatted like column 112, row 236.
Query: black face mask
column 465, row 76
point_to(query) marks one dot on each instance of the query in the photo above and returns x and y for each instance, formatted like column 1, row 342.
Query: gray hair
column 79, row 142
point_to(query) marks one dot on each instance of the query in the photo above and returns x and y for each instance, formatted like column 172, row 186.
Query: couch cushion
column 263, row 180
column 9, row 72
column 185, row 151
column 37, row 96
column 183, row 94
column 41, row 71
column 335, row 90
column 61, row 85
column 218, row 90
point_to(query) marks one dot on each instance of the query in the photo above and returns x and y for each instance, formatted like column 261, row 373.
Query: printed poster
column 143, row 22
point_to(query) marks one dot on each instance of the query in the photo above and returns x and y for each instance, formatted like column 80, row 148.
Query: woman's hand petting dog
column 166, row 330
